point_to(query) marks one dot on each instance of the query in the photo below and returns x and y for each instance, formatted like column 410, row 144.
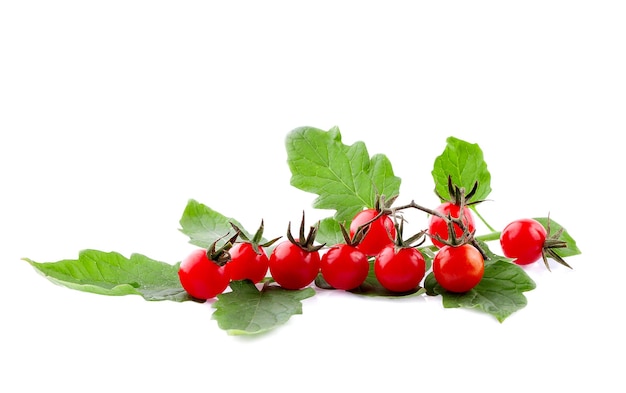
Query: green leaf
column 110, row 273
column 464, row 162
column 429, row 254
column 329, row 232
column 499, row 293
column 344, row 177
column 246, row 310
column 571, row 249
column 204, row 226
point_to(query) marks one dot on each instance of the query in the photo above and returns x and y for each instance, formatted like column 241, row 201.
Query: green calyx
column 256, row 239
column 221, row 256
column 400, row 242
column 552, row 242
column 305, row 242
column 458, row 195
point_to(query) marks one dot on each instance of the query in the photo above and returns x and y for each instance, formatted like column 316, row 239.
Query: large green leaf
column 344, row 177
column 464, row 162
column 247, row 310
column 110, row 273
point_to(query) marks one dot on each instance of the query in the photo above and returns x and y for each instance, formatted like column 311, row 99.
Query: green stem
column 483, row 220
column 495, row 235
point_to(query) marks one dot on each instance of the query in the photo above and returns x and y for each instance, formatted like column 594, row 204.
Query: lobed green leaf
column 246, row 310
column 110, row 273
column 344, row 177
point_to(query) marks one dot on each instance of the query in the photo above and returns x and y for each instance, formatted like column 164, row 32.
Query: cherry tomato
column 246, row 263
column 378, row 234
column 292, row 267
column 399, row 271
column 201, row 277
column 344, row 266
column 523, row 240
column 437, row 226
column 458, row 268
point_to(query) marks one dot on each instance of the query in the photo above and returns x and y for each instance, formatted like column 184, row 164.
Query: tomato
column 344, row 266
column 201, row 277
column 293, row 267
column 438, row 226
column 246, row 263
column 458, row 268
column 523, row 240
column 401, row 270
column 380, row 233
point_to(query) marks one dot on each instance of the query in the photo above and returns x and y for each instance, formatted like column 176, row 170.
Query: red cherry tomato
column 523, row 240
column 458, row 268
column 292, row 267
column 246, row 263
column 344, row 267
column 399, row 271
column 201, row 277
column 438, row 226
column 378, row 234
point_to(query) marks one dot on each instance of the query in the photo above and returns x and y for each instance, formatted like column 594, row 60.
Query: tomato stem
column 256, row 240
column 495, row 235
column 221, row 256
column 488, row 237
column 414, row 205
column 483, row 220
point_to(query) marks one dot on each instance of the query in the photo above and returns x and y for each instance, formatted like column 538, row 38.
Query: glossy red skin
column 344, row 267
column 437, row 226
column 399, row 271
column 292, row 267
column 246, row 263
column 458, row 269
column 377, row 236
column 202, row 278
column 523, row 240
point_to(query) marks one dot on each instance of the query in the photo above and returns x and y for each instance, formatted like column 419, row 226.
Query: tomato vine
column 361, row 249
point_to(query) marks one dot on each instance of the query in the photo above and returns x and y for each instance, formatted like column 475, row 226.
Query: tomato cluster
column 375, row 241
column 296, row 263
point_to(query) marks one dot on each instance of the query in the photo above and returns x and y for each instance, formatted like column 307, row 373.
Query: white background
column 113, row 114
